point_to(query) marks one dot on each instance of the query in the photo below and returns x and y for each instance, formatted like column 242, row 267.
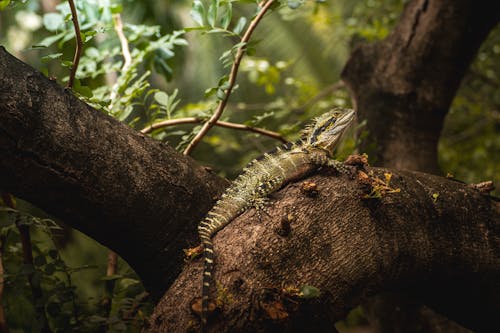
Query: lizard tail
column 208, row 268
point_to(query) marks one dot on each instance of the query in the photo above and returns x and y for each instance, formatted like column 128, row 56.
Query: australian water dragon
column 266, row 175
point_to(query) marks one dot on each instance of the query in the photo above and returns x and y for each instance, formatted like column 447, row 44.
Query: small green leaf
column 198, row 12
column 53, row 254
column 226, row 18
column 46, row 42
column 309, row 292
column 210, row 91
column 53, row 21
column 67, row 63
column 212, row 12
column 221, row 94
column 294, row 4
column 161, row 97
column 240, row 25
column 49, row 57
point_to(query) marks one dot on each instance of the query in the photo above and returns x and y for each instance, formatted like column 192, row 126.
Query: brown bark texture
column 403, row 85
column 436, row 239
column 131, row 193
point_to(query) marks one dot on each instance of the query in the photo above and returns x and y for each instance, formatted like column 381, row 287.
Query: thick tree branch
column 440, row 248
column 135, row 195
column 404, row 84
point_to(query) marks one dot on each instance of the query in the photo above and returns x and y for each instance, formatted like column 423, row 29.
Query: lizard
column 267, row 174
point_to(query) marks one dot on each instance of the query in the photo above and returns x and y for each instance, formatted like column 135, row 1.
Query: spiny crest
column 326, row 130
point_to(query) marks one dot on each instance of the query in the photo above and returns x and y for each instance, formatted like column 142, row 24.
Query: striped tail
column 208, row 253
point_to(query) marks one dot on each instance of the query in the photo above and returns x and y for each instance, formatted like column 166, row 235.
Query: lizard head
column 326, row 130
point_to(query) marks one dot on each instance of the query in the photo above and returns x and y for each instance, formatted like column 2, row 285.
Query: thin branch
column 232, row 79
column 109, row 286
column 127, row 58
column 193, row 120
column 79, row 44
column 117, row 20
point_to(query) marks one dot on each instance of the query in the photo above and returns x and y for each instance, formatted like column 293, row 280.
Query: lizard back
column 264, row 176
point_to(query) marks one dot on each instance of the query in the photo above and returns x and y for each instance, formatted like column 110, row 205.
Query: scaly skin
column 265, row 176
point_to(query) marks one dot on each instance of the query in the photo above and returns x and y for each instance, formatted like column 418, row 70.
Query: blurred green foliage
column 181, row 52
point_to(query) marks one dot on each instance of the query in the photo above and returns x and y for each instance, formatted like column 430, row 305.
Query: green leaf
column 226, row 18
column 221, row 94
column 240, row 25
column 198, row 12
column 50, row 269
column 4, row 3
column 161, row 97
column 53, row 254
column 67, row 63
column 46, row 42
column 49, row 57
column 162, row 67
column 53, row 21
column 309, row 292
column 210, row 91
column 294, row 4
column 212, row 12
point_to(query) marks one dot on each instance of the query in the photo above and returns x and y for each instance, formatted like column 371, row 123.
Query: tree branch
column 99, row 175
column 350, row 248
column 232, row 77
column 79, row 43
column 194, row 120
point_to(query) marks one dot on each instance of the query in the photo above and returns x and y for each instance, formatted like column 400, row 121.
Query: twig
column 127, row 58
column 232, row 79
column 109, row 286
column 117, row 20
column 193, row 120
column 79, row 44
column 35, row 286
column 4, row 328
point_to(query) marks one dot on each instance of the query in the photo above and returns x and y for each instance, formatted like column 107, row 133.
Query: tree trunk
column 131, row 193
column 349, row 247
column 403, row 86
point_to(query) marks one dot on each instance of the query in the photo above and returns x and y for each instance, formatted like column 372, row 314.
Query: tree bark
column 440, row 248
column 403, row 86
column 133, row 194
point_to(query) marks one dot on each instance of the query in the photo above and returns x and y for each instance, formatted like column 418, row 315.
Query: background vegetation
column 181, row 53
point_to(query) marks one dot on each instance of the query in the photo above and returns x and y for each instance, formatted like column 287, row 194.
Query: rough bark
column 349, row 247
column 403, row 86
column 133, row 194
